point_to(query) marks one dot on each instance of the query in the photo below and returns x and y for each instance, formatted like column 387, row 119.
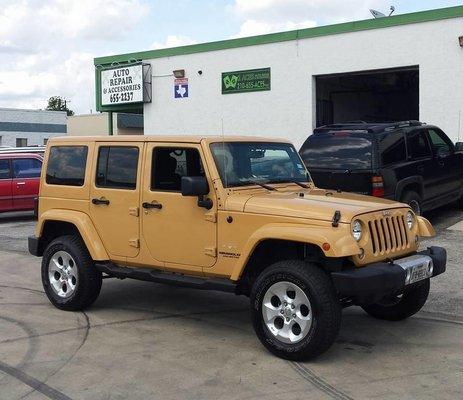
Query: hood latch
column 336, row 218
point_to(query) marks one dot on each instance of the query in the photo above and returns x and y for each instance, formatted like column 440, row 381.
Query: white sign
column 122, row 85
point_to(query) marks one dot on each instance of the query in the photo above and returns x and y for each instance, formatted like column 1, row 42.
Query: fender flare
column 342, row 244
column 415, row 179
column 83, row 224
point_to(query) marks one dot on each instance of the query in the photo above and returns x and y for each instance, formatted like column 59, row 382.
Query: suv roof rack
column 367, row 127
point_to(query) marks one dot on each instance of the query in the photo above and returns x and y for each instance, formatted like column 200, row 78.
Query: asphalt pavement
column 147, row 341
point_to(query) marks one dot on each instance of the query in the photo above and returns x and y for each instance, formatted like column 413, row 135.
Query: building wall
column 88, row 125
column 33, row 125
column 288, row 110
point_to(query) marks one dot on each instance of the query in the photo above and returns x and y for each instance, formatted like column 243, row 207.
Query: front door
column 6, row 201
column 26, row 182
column 115, row 196
column 175, row 229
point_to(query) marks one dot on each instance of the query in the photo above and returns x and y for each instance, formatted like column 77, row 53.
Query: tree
column 57, row 103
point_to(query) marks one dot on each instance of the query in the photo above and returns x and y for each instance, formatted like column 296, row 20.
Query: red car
column 19, row 181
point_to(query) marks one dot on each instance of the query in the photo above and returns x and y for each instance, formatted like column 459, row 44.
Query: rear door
column 6, row 199
column 114, row 196
column 340, row 160
column 26, row 182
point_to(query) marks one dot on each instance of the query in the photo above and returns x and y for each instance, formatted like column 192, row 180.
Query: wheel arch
column 55, row 223
column 411, row 183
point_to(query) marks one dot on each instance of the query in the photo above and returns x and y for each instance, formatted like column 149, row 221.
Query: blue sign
column 181, row 88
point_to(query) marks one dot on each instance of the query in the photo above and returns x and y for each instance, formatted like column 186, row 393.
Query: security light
column 179, row 73
column 460, row 39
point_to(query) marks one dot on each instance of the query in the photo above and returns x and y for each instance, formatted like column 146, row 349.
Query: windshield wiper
column 268, row 187
column 302, row 185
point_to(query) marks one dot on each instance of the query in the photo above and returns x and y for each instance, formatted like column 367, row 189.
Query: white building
column 20, row 128
column 402, row 67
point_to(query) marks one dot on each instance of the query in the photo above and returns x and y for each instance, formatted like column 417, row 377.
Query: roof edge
column 346, row 27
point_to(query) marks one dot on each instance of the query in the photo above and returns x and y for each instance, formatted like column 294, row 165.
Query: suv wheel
column 413, row 200
column 400, row 307
column 295, row 310
column 69, row 276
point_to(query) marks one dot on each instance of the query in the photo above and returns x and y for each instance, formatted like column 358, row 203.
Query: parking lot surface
column 148, row 341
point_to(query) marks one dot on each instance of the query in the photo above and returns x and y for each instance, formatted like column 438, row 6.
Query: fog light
column 408, row 276
column 362, row 254
column 430, row 268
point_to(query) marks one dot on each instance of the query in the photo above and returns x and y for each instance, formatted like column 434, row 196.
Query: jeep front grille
column 388, row 234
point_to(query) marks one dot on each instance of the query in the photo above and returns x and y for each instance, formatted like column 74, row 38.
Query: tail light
column 36, row 207
column 377, row 185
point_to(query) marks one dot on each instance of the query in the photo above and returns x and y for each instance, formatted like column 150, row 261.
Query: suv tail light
column 377, row 185
column 36, row 207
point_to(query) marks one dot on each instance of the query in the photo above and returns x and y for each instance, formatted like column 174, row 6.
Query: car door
column 446, row 162
column 420, row 162
column 115, row 196
column 26, row 182
column 6, row 195
column 175, row 229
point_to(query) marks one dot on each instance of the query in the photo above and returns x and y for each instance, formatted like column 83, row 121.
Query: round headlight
column 410, row 220
column 357, row 230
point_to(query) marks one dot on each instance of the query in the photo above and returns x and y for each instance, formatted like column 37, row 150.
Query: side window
column 392, row 148
column 117, row 167
column 5, row 169
column 66, row 165
column 169, row 164
column 26, row 168
column 439, row 142
column 417, row 144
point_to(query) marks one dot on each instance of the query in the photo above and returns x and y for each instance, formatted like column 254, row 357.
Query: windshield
column 248, row 163
column 340, row 150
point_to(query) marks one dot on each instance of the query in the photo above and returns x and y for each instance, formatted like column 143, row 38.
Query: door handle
column 100, row 201
column 441, row 163
column 152, row 205
column 20, row 183
column 420, row 168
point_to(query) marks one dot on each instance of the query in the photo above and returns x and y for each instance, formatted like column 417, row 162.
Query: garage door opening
column 370, row 96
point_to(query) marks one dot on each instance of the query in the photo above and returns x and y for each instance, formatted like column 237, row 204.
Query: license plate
column 418, row 273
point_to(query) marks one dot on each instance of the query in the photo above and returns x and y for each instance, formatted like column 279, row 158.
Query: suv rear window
column 117, row 167
column 338, row 150
column 66, row 165
column 392, row 148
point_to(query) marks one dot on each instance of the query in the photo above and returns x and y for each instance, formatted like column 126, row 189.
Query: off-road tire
column 89, row 278
column 409, row 304
column 326, row 310
column 411, row 197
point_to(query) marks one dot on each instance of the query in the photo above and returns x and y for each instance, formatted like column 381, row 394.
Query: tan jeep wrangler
column 237, row 214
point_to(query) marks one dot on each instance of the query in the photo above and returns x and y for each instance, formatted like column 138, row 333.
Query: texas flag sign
column 181, row 88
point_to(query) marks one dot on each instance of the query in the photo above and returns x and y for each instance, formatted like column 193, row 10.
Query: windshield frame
column 294, row 156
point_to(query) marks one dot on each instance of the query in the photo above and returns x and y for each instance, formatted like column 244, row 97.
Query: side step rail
column 170, row 278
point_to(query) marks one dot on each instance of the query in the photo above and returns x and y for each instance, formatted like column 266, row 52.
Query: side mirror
column 459, row 146
column 194, row 186
column 197, row 186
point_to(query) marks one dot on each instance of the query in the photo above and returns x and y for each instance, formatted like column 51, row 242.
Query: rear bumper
column 33, row 244
column 373, row 282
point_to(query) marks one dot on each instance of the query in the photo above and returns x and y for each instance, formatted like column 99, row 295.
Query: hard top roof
column 166, row 138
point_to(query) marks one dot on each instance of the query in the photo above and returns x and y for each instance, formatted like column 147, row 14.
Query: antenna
column 377, row 14
column 392, row 8
column 223, row 156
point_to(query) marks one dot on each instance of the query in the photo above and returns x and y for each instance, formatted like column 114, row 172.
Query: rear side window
column 26, row 168
column 66, row 165
column 338, row 150
column 117, row 167
column 418, row 146
column 5, row 169
column 392, row 148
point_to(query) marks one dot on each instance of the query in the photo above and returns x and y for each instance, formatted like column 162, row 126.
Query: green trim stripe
column 356, row 26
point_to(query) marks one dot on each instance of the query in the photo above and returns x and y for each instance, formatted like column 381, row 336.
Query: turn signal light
column 377, row 185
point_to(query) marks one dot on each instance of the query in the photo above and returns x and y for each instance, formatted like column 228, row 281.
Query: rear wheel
column 295, row 311
column 397, row 308
column 69, row 277
column 413, row 200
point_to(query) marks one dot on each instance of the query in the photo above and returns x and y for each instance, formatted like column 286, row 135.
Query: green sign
column 252, row 80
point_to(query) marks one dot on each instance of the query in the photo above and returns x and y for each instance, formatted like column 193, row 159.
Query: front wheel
column 295, row 312
column 69, row 277
column 397, row 308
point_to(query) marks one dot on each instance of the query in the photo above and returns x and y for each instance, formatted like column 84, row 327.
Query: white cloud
column 47, row 49
column 266, row 16
column 174, row 41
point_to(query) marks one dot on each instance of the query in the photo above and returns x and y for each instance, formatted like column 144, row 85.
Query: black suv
column 406, row 161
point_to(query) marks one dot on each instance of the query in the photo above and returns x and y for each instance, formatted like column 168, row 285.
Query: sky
column 47, row 47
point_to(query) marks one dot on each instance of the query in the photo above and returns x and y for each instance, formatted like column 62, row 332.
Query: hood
column 317, row 204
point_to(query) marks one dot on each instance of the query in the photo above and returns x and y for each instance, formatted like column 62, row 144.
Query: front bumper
column 373, row 282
